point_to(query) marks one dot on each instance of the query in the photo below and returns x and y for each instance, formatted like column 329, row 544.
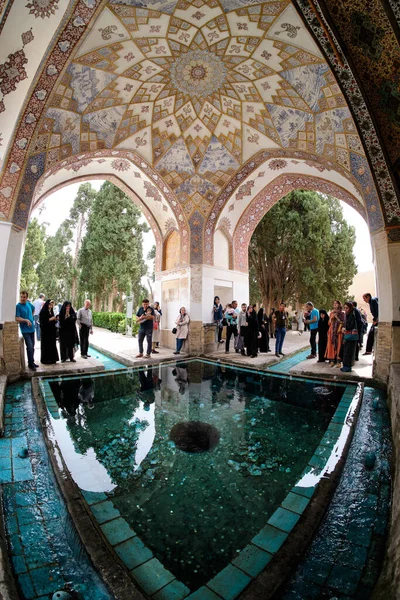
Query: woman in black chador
column 263, row 341
column 68, row 334
column 49, row 352
column 251, row 332
column 323, row 326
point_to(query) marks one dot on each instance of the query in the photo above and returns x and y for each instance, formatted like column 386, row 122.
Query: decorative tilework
column 365, row 70
column 265, row 199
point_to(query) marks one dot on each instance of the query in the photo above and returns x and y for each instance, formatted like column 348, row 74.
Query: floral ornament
column 291, row 30
column 27, row 37
column 12, row 72
column 245, row 190
column 277, row 164
column 198, row 73
column 42, row 8
column 121, row 165
column 170, row 225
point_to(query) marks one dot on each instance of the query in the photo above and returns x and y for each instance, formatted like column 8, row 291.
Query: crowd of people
column 340, row 332
column 53, row 321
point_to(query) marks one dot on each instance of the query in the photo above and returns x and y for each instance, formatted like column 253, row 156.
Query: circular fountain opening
column 194, row 436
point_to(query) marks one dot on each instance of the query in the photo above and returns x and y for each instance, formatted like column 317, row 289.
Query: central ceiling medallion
column 198, row 73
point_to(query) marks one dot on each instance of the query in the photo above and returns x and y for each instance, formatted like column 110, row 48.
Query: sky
column 57, row 206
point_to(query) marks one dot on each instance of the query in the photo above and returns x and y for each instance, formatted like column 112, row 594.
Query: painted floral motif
column 245, row 190
column 121, row 165
column 277, row 164
column 12, row 72
column 198, row 73
column 152, row 192
column 291, row 30
column 42, row 8
column 109, row 31
column 27, row 37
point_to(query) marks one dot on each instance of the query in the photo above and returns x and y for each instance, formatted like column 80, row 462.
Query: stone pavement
column 292, row 344
column 124, row 349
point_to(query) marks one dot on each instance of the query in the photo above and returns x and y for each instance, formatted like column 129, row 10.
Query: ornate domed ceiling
column 197, row 89
column 203, row 92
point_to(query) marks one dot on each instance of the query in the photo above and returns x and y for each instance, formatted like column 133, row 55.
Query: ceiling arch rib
column 153, row 196
column 159, row 236
column 261, row 203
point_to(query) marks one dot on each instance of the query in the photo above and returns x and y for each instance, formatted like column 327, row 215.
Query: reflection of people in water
column 147, row 385
column 86, row 393
column 181, row 377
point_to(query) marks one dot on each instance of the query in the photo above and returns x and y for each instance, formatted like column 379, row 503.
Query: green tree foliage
column 302, row 250
column 34, row 254
column 111, row 258
column 55, row 270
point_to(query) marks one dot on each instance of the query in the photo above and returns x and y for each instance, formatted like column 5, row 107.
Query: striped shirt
column 84, row 317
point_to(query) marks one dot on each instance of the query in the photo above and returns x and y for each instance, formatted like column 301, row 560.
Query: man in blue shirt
column 24, row 316
column 312, row 322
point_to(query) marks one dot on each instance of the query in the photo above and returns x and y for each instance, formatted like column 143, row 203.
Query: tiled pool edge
column 245, row 573
column 110, row 570
column 7, row 583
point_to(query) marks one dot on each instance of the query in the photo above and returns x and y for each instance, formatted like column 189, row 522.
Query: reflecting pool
column 193, row 457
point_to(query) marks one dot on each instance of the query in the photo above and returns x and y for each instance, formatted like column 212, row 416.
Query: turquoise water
column 193, row 511
column 44, row 549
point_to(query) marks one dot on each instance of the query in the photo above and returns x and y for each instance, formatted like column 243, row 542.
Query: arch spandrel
column 159, row 207
column 265, row 200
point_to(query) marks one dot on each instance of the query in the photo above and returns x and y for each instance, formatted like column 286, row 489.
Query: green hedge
column 113, row 321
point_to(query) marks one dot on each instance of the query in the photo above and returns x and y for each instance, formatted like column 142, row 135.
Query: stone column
column 194, row 288
column 11, row 350
column 11, row 250
column 387, row 268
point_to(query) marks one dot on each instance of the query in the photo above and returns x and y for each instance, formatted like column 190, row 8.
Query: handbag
column 174, row 330
column 155, row 325
column 352, row 336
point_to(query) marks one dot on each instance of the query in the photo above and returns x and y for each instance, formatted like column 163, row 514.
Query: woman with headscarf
column 335, row 334
column 217, row 318
column 182, row 329
column 68, row 333
column 49, row 352
column 251, row 332
column 323, row 327
column 350, row 337
column 155, row 340
column 263, row 341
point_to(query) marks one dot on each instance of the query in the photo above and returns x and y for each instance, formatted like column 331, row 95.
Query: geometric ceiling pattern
column 202, row 93
column 197, row 89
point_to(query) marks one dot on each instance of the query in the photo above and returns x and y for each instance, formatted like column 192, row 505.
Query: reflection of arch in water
column 265, row 200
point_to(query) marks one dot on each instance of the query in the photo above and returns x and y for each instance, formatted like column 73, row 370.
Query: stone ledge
column 7, row 585
column 3, row 385
column 388, row 585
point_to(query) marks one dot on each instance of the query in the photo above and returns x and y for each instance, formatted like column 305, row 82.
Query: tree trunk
column 78, row 243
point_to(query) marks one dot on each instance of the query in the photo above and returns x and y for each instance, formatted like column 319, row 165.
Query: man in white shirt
column 38, row 304
column 85, row 324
